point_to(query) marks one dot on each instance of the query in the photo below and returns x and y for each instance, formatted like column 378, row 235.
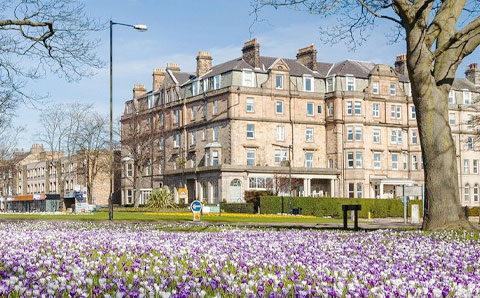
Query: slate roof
column 463, row 83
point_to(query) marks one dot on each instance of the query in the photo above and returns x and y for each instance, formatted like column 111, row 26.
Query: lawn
column 145, row 259
column 149, row 216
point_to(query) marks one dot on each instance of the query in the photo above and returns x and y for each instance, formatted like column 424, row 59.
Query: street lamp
column 140, row 28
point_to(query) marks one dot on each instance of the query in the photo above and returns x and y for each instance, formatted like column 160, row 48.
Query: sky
column 177, row 30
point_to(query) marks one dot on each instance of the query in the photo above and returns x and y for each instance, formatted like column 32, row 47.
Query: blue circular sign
column 196, row 206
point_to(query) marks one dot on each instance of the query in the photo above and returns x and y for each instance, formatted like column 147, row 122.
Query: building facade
column 41, row 175
column 344, row 129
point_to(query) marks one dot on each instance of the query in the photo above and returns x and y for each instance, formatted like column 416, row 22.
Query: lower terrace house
column 49, row 181
column 345, row 129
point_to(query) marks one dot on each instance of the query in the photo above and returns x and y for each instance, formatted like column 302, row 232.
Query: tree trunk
column 439, row 154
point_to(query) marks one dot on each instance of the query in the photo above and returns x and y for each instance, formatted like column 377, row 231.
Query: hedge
column 333, row 206
column 237, row 207
column 253, row 196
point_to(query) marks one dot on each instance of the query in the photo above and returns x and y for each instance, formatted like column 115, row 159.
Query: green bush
column 238, row 207
column 161, row 198
column 253, row 196
column 333, row 206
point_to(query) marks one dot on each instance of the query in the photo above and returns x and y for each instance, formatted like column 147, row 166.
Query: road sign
column 196, row 206
column 408, row 191
column 183, row 194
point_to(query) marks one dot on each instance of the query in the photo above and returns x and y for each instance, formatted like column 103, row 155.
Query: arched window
column 475, row 192
column 467, row 193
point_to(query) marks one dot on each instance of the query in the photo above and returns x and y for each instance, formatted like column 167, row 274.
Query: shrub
column 333, row 206
column 161, row 198
column 253, row 196
column 238, row 207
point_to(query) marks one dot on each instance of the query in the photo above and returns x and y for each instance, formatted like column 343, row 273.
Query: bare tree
column 93, row 151
column 438, row 35
column 39, row 37
column 137, row 140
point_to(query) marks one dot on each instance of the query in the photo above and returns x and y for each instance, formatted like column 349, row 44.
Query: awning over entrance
column 384, row 187
column 391, row 181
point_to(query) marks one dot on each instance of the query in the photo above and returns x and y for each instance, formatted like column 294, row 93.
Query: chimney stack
column 473, row 74
column 401, row 64
column 308, row 57
column 173, row 67
column 158, row 77
column 251, row 53
column 204, row 63
column 139, row 90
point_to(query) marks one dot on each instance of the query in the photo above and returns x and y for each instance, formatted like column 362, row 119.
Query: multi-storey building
column 40, row 174
column 348, row 129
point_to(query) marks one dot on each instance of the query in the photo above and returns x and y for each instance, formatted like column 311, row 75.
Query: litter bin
column 296, row 211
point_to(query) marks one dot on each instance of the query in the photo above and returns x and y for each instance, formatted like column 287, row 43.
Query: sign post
column 183, row 195
column 196, row 208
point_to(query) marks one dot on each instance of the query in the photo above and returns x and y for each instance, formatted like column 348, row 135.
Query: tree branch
column 376, row 14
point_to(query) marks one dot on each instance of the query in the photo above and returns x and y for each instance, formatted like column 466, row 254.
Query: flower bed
column 142, row 260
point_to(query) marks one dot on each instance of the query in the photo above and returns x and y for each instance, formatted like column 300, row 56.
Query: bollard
column 369, row 215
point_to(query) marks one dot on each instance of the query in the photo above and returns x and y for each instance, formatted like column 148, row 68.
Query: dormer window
column 308, row 83
column 169, row 96
column 467, row 97
column 451, row 96
column 248, row 78
column 150, row 101
column 279, row 82
column 205, row 85
column 330, row 84
column 393, row 89
column 195, row 88
column 216, row 82
column 350, row 83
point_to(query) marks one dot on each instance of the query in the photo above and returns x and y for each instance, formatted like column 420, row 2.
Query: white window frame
column 358, row 108
column 414, row 162
column 278, row 86
column 280, row 155
column 215, row 107
column 396, row 112
column 466, row 166
column 451, row 118
column 309, row 135
column 414, row 136
column 359, row 190
column 393, row 89
column 405, row 161
column 350, row 83
column 377, row 135
column 176, row 140
column 250, row 105
column 469, row 143
column 375, row 88
column 350, row 160
column 330, row 84
column 475, row 192
column 349, row 108
column 475, row 166
column 310, row 103
column 466, row 194
column 176, row 116
column 451, row 96
column 277, row 102
column 249, row 157
column 376, row 110
column 215, row 134
column 309, row 159
column 194, row 113
column 413, row 112
column 195, row 88
column 467, row 97
column 395, row 162
column 358, row 159
column 305, row 78
column 245, row 81
column 280, row 133
column 377, row 162
column 349, row 133
column 358, row 133
column 217, row 80
column 215, row 159
column 250, row 131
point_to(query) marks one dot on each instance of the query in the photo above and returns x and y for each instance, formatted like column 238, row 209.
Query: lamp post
column 140, row 28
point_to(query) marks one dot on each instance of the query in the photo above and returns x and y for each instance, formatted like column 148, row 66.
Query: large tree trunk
column 438, row 150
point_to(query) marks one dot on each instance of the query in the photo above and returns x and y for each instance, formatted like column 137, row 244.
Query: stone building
column 42, row 173
column 347, row 129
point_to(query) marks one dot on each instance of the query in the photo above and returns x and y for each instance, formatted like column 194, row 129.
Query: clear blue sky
column 177, row 30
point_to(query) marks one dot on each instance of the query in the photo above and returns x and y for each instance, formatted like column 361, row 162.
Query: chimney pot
column 204, row 63
column 158, row 77
column 139, row 90
column 251, row 53
column 473, row 74
column 173, row 67
column 401, row 64
column 308, row 57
